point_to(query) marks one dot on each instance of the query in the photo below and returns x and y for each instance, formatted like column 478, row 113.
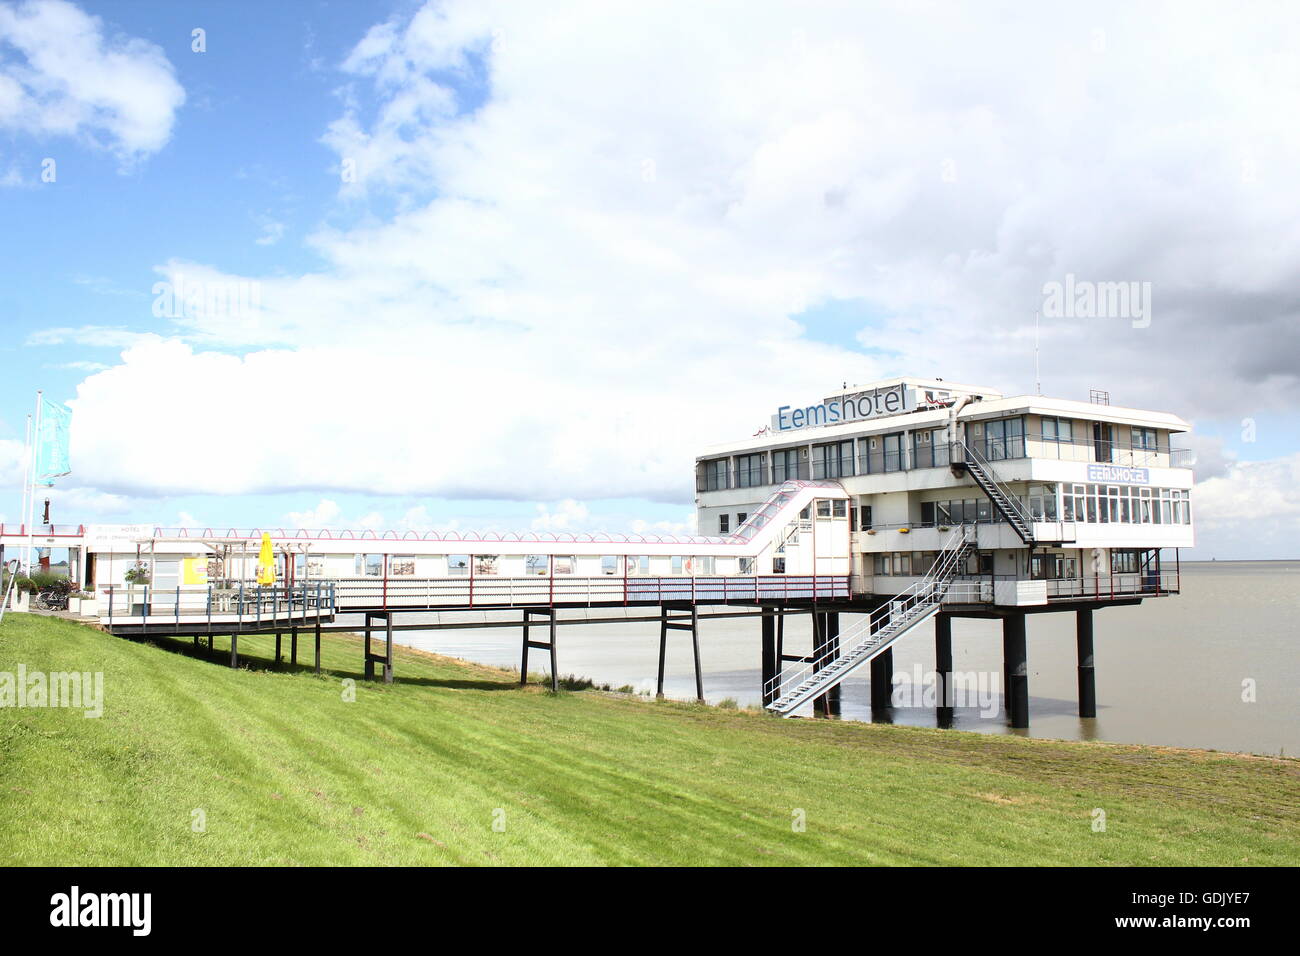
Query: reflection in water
column 1168, row 672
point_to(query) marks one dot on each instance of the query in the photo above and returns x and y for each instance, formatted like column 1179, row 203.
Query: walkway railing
column 233, row 602
column 575, row 591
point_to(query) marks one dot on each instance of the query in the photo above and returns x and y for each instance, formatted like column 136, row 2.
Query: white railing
column 886, row 623
column 539, row 591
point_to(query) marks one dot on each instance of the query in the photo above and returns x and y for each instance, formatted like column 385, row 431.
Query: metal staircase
column 1008, row 505
column 877, row 631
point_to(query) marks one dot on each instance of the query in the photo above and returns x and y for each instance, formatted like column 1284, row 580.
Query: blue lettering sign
column 1119, row 473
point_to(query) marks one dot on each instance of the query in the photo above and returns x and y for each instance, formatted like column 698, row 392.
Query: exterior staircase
column 1008, row 505
column 877, row 631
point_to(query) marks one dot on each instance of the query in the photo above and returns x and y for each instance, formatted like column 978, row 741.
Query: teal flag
column 52, row 443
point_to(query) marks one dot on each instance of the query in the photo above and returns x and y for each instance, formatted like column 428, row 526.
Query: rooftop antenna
column 1038, row 381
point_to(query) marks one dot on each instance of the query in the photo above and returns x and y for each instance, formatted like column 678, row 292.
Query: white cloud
column 272, row 232
column 606, row 278
column 1250, row 510
column 564, row 515
column 71, row 77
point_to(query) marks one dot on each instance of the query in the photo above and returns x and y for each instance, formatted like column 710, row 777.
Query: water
column 1169, row 671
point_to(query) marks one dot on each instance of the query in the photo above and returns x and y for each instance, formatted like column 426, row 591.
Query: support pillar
column 234, row 650
column 1087, row 670
column 687, row 619
column 1017, row 669
column 318, row 644
column 826, row 647
column 882, row 683
column 277, row 647
column 549, row 645
column 770, row 668
column 387, row 657
column 943, row 668
column 293, row 645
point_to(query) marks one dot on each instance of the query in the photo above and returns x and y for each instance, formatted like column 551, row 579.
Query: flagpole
column 27, row 476
column 31, row 492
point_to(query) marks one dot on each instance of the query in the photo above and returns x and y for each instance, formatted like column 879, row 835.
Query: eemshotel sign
column 848, row 408
column 1120, row 474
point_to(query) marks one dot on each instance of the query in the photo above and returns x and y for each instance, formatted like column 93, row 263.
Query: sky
column 501, row 265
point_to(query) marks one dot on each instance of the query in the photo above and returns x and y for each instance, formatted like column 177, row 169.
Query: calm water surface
column 1169, row 671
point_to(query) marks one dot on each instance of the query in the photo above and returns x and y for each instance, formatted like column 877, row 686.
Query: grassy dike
column 288, row 772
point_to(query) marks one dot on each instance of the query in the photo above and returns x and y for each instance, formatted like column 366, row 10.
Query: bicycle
column 51, row 601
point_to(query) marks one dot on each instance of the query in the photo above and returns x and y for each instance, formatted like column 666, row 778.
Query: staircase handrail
column 991, row 473
column 931, row 589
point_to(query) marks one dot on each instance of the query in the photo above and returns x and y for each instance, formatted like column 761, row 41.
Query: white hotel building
column 1099, row 496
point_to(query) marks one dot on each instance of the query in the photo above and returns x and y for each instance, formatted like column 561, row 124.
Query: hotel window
column 785, row 464
column 706, row 564
column 778, row 565
column 927, row 514
column 1004, row 438
column 1046, row 567
column 370, row 565
column 823, row 508
column 749, row 471
column 1125, row 562
column 724, row 524
column 902, row 562
column 638, row 564
column 457, row 564
column 1145, row 439
column 487, row 565
column 1042, row 502
column 677, row 564
column 834, row 460
column 1057, row 429
column 740, row 519
column 401, row 566
column 565, row 563
column 537, row 563
column 714, row 477
column 865, row 512
column 839, row 508
column 609, row 564
column 746, row 565
column 880, row 563
column 893, row 451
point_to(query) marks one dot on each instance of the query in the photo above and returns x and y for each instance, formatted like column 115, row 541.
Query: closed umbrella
column 266, row 561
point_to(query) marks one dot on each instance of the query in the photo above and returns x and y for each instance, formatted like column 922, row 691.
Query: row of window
column 488, row 565
column 874, row 454
column 1043, row 566
column 919, row 563
column 1126, row 504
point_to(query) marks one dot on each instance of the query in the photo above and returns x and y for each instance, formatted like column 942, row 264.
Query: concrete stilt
column 882, row 683
column 293, row 645
column 1087, row 669
column 1017, row 669
column 770, row 667
column 943, row 668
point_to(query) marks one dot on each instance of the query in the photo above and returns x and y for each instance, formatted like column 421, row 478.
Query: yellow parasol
column 266, row 561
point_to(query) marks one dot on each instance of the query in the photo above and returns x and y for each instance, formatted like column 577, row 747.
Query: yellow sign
column 194, row 571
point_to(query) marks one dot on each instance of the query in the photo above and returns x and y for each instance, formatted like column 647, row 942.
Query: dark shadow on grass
column 184, row 646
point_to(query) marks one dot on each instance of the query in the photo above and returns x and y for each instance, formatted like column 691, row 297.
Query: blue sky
column 584, row 244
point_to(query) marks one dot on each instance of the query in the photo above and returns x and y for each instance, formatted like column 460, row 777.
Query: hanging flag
column 52, row 460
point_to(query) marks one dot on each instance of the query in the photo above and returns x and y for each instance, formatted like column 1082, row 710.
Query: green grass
column 288, row 772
